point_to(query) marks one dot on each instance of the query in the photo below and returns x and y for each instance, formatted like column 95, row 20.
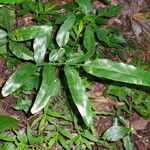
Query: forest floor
column 134, row 24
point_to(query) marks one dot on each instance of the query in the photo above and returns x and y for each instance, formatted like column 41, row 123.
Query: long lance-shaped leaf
column 89, row 39
column 20, row 51
column 11, row 1
column 79, row 95
column 63, row 33
column 117, row 71
column 18, row 78
column 40, row 46
column 30, row 32
column 49, row 88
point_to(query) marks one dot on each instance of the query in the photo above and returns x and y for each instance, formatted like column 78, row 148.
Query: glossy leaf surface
column 49, row 88
column 79, row 95
column 115, row 133
column 30, row 32
column 56, row 55
column 3, row 34
column 117, row 71
column 89, row 40
column 63, row 33
column 7, row 17
column 18, row 78
column 40, row 46
column 127, row 143
column 20, row 51
column 81, row 58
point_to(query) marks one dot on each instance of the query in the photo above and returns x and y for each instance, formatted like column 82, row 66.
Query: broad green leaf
column 11, row 1
column 115, row 133
column 113, row 11
column 127, row 143
column 56, row 55
column 18, row 78
column 3, row 34
column 20, row 51
column 85, row 7
column 89, row 40
column 102, row 35
column 104, row 68
column 81, row 58
column 3, row 41
column 7, row 18
column 64, row 31
column 40, row 46
column 79, row 95
column 29, row 32
column 49, row 88
column 7, row 123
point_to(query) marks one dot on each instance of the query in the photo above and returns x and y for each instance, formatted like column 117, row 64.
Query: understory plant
column 57, row 47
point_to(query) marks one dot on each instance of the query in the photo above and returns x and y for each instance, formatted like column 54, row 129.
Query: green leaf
column 117, row 71
column 7, row 17
column 113, row 11
column 3, row 34
column 89, row 40
column 3, row 41
column 127, row 143
column 79, row 95
column 65, row 133
column 6, row 138
column 30, row 136
column 7, row 123
column 63, row 142
column 115, row 133
column 11, row 1
column 49, row 88
column 29, row 32
column 56, row 55
column 89, row 136
column 64, row 31
column 20, row 51
column 40, row 46
column 81, row 58
column 18, row 78
column 102, row 35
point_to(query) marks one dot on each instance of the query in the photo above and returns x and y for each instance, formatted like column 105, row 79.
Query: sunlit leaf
column 64, row 31
column 40, row 46
column 49, row 88
column 127, row 143
column 20, row 51
column 80, row 58
column 115, row 133
column 18, row 78
column 79, row 95
column 29, row 32
column 7, row 17
column 56, row 55
column 117, row 71
column 3, row 34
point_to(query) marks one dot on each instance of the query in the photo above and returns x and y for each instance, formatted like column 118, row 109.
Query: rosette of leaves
column 69, row 42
